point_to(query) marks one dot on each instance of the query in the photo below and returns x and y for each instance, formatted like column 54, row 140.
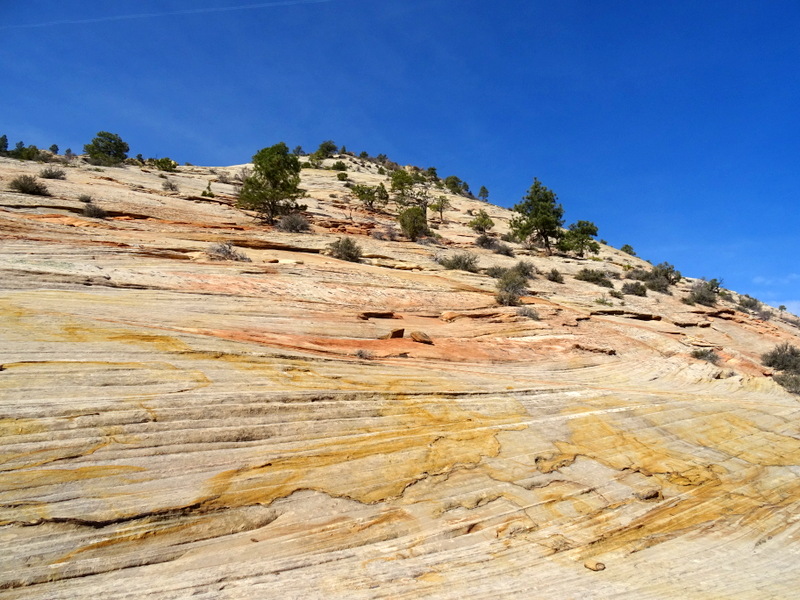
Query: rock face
column 176, row 427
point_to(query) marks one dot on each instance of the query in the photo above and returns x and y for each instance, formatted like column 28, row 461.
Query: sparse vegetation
column 165, row 164
column 628, row 249
column 341, row 176
column 555, row 276
column 703, row 292
column 462, row 261
column 706, row 354
column 94, row 212
column 365, row 354
column 85, row 198
column 658, row 279
column 786, row 359
column 749, row 304
column 604, row 301
column 503, row 249
column 510, row 287
column 594, row 276
column 528, row 312
column 226, row 251
column 169, row 186
column 634, row 288
column 52, row 173
column 294, row 223
column 345, row 248
column 29, row 184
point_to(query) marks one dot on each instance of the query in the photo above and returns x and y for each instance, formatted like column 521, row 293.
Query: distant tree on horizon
column 106, row 149
column 483, row 193
column 579, row 239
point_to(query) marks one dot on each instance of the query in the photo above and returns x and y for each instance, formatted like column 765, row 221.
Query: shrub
column 85, row 198
column 52, row 173
column 504, row 249
column 28, row 184
column 748, row 303
column 482, row 222
column 293, row 223
column 386, row 233
column 594, row 276
column 339, row 165
column 413, row 222
column 783, row 357
column 486, row 241
column 604, row 301
column 525, row 268
column 703, row 292
column 706, row 354
column 555, row 276
column 635, row 288
column 93, row 211
column 169, row 186
column 226, row 251
column 508, row 237
column 165, row 164
column 527, row 311
column 510, row 287
column 341, row 176
column 616, row 294
column 365, row 354
column 496, row 272
column 789, row 381
column 345, row 248
column 463, row 261
column 628, row 249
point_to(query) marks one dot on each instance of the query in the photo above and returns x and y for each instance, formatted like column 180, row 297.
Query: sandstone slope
column 175, row 426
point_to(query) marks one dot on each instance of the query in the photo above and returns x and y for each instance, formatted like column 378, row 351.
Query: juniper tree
column 539, row 218
column 272, row 188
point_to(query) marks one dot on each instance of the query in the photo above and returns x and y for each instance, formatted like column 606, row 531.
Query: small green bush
column 635, row 288
column 345, row 248
column 169, row 186
column 28, row 184
column 616, row 294
column 341, row 176
column 496, row 272
column 165, row 164
column 463, row 261
column 85, row 198
column 525, row 268
column 339, row 165
column 482, row 222
column 94, row 212
column 703, row 292
column 628, row 249
column 706, row 354
column 748, row 303
column 413, row 222
column 783, row 357
column 555, row 276
column 594, row 276
column 510, row 287
column 293, row 223
column 789, row 381
column 52, row 173
column 486, row 241
column 604, row 301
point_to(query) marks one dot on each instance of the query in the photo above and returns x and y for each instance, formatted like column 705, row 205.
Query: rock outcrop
column 177, row 427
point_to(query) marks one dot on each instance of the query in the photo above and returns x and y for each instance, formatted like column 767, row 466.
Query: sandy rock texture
column 173, row 426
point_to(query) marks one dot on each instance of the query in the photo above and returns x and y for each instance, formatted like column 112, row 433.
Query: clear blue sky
column 672, row 125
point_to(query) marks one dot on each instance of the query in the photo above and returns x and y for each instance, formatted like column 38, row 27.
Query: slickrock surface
column 177, row 427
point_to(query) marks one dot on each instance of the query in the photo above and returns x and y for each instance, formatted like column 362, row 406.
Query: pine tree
column 273, row 187
column 540, row 217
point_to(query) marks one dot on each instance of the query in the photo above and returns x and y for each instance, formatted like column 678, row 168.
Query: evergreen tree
column 482, row 222
column 3, row 144
column 483, row 193
column 273, row 187
column 579, row 239
column 54, row 148
column 106, row 149
column 413, row 222
column 539, row 218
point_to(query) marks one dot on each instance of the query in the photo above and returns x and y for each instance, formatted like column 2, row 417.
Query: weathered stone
column 421, row 337
column 394, row 334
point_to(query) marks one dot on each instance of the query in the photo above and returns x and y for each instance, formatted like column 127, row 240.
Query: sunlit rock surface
column 177, row 427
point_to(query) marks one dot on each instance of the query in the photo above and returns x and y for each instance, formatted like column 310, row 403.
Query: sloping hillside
column 178, row 426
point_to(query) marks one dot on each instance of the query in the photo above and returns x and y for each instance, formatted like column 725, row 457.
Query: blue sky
column 672, row 125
